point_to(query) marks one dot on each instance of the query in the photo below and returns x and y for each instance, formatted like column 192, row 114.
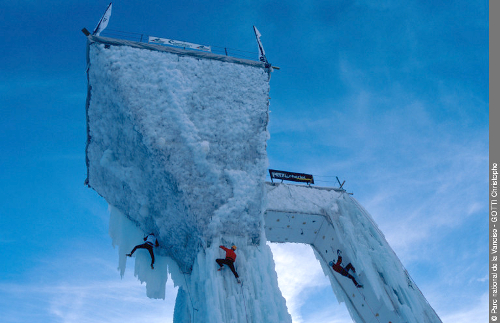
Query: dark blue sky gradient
column 390, row 96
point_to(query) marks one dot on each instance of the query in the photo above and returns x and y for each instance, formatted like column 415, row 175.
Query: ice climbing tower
column 330, row 220
column 176, row 144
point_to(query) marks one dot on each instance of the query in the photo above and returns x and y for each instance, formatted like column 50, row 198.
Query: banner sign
column 177, row 43
column 262, row 53
column 103, row 23
column 288, row 176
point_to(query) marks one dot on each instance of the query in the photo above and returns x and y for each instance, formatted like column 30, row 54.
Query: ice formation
column 177, row 146
column 329, row 219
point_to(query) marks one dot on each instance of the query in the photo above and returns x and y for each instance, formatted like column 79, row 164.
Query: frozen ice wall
column 177, row 146
column 329, row 219
column 177, row 142
column 205, row 294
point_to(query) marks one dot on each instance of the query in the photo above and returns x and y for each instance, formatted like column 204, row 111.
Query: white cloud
column 72, row 287
column 330, row 314
column 299, row 277
column 93, row 301
column 476, row 312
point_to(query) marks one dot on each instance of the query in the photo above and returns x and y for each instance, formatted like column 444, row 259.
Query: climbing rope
column 371, row 310
column 244, row 301
column 357, row 289
column 190, row 299
column 408, row 277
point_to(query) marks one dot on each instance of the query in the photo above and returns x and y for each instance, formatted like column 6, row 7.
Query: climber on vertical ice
column 229, row 260
column 344, row 271
column 151, row 242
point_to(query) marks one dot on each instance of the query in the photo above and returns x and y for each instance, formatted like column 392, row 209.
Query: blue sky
column 390, row 96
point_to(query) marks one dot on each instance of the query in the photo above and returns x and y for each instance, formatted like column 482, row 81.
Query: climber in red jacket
column 344, row 271
column 229, row 261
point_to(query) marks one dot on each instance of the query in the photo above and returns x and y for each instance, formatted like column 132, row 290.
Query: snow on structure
column 177, row 142
column 177, row 146
column 329, row 219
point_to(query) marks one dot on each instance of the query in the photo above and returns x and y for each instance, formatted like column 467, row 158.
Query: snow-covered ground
column 177, row 146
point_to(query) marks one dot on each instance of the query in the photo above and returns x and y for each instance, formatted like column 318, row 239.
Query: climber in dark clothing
column 151, row 241
column 344, row 271
column 229, row 260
